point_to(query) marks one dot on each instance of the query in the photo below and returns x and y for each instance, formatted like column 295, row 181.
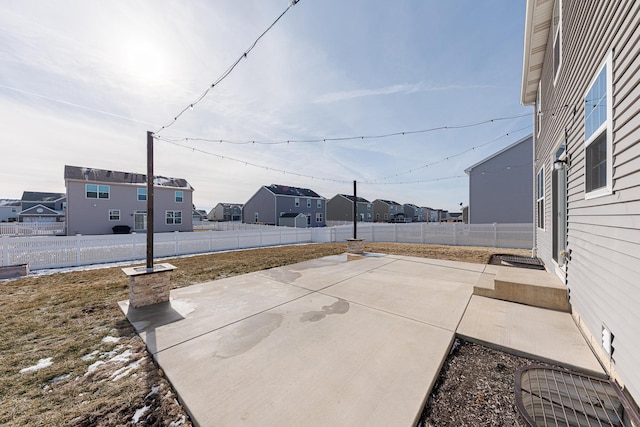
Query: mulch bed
column 475, row 388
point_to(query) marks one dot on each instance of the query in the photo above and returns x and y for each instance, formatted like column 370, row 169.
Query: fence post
column 210, row 240
column 495, row 235
column 133, row 245
column 5, row 250
column 422, row 232
column 175, row 242
column 455, row 234
column 395, row 233
column 78, row 236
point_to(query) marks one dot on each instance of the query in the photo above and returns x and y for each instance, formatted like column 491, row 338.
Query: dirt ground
column 96, row 369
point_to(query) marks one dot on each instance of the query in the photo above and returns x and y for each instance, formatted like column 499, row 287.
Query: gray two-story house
column 272, row 202
column 340, row 208
column 581, row 75
column 501, row 186
column 98, row 200
column 387, row 211
column 226, row 212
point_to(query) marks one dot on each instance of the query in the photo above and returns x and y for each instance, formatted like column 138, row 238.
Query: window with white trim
column 557, row 38
column 179, row 196
column 114, row 214
column 308, row 219
column 94, row 191
column 142, row 194
column 308, row 203
column 297, row 202
column 598, row 132
column 173, row 217
column 255, row 217
column 540, row 198
column 319, row 204
column 318, row 217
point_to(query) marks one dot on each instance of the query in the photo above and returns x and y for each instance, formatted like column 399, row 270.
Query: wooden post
column 149, row 201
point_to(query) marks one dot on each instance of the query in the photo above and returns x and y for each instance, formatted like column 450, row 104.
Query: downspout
column 534, row 249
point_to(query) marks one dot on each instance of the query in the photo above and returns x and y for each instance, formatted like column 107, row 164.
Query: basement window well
column 556, row 397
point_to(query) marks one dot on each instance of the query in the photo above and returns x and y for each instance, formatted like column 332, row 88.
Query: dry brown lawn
column 100, row 372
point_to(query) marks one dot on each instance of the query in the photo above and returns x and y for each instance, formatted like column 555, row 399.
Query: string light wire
column 228, row 71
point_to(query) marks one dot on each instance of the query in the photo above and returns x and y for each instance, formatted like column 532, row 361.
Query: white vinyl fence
column 31, row 228
column 66, row 251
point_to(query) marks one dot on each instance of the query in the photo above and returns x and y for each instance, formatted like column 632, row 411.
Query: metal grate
column 555, row 397
column 521, row 261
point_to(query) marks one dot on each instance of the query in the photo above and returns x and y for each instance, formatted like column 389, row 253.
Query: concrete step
column 536, row 288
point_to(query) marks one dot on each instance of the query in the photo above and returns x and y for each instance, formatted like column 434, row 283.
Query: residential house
column 199, row 215
column 387, row 211
column 98, row 200
column 269, row 203
column 501, row 186
column 580, row 75
column 340, row 208
column 430, row 214
column 42, row 207
column 9, row 210
column 226, row 212
column 414, row 213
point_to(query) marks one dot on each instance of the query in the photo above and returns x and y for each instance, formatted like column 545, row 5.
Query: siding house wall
column 501, row 186
column 91, row 216
column 603, row 233
column 264, row 204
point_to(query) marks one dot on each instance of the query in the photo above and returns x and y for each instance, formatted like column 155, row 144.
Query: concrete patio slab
column 534, row 332
column 430, row 300
column 316, row 361
column 201, row 308
column 439, row 270
column 334, row 342
column 323, row 272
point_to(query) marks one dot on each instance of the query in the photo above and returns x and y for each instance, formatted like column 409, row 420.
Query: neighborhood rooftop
column 286, row 190
column 117, row 177
column 360, row 199
column 37, row 196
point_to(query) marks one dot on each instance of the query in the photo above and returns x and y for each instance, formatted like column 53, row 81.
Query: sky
column 83, row 82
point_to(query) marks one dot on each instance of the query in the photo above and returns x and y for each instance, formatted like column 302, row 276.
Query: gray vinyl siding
column 501, row 188
column 603, row 233
column 264, row 203
column 340, row 208
column 91, row 216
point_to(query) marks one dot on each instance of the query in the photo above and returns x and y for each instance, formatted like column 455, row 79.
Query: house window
column 319, row 217
column 368, row 206
column 297, row 202
column 598, row 133
column 319, row 204
column 94, row 191
column 114, row 214
column 540, row 198
column 308, row 219
column 557, row 38
column 308, row 203
column 255, row 217
column 173, row 217
column 142, row 194
column 386, row 217
column 179, row 196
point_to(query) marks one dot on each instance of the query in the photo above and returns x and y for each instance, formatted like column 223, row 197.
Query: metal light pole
column 355, row 211
column 149, row 201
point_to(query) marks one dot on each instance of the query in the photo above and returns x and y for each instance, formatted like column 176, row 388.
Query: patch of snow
column 94, row 366
column 124, row 357
column 109, row 338
column 60, row 378
column 42, row 363
column 112, row 353
column 123, row 372
column 90, row 356
column 154, row 390
column 179, row 422
column 139, row 413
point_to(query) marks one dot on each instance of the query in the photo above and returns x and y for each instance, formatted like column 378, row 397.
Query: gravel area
column 475, row 388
